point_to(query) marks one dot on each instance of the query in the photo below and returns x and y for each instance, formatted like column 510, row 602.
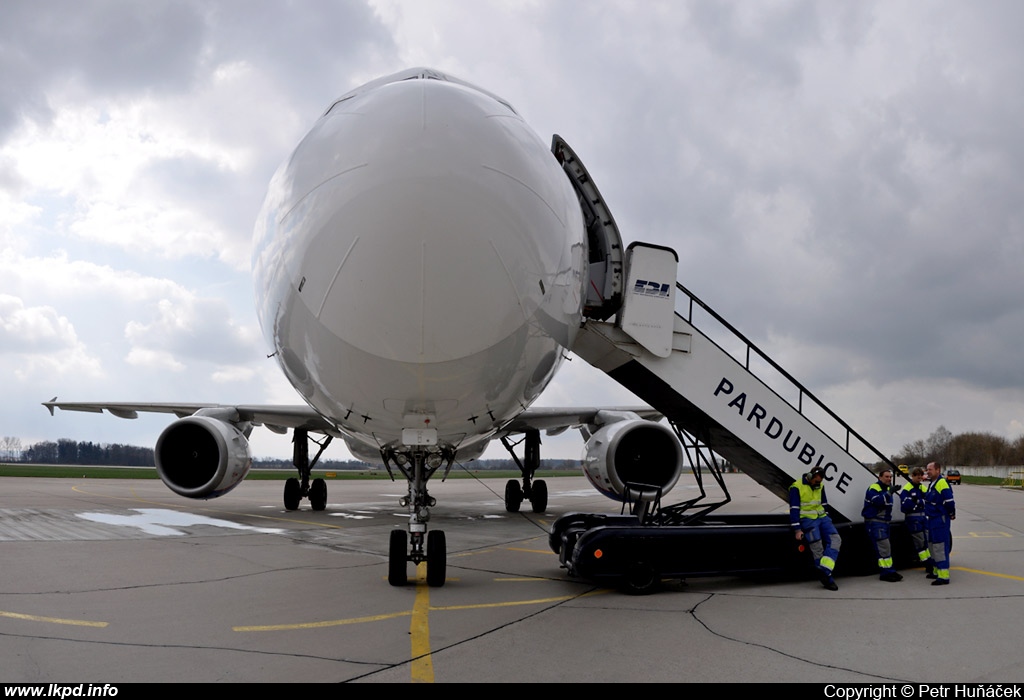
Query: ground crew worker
column 877, row 514
column 812, row 525
column 940, row 509
column 912, row 505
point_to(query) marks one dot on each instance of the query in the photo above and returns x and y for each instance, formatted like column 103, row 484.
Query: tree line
column 970, row 449
column 66, row 451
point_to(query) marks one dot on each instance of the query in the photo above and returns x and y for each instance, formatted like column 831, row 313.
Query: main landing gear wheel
column 292, row 494
column 436, row 558
column 318, row 494
column 513, row 496
column 539, row 496
column 396, row 558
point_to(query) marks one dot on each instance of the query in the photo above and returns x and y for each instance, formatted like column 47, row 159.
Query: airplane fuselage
column 419, row 263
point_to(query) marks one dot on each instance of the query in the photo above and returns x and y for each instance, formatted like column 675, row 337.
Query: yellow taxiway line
column 52, row 620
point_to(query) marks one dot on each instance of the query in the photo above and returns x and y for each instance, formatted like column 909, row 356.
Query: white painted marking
column 162, row 523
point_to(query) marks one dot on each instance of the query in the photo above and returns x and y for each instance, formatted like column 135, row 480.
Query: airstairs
column 730, row 402
column 726, row 399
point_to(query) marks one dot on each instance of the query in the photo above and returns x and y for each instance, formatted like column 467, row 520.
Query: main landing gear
column 536, row 492
column 417, row 545
column 297, row 489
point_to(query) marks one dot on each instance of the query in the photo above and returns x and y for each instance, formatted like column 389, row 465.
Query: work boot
column 829, row 583
column 940, row 582
column 891, row 577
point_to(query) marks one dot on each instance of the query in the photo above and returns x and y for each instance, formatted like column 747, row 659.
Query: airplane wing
column 557, row 420
column 275, row 418
column 279, row 418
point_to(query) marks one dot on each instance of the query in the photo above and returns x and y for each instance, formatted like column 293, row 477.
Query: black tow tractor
column 635, row 550
column 634, row 555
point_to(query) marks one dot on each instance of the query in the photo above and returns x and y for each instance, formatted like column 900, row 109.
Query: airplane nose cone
column 420, row 177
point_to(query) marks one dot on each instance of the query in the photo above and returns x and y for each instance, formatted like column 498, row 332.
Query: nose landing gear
column 419, row 545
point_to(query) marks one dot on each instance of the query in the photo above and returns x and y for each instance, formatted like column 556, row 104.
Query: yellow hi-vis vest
column 810, row 500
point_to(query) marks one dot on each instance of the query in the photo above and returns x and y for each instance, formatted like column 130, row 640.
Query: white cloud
column 194, row 328
column 33, row 329
column 233, row 375
column 153, row 359
column 37, row 342
column 98, row 158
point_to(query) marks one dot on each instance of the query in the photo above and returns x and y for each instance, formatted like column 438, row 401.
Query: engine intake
column 202, row 457
column 635, row 452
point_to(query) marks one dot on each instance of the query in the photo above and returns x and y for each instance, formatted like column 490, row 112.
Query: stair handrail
column 750, row 345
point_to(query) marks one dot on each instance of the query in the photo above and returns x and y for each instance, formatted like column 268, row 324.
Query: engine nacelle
column 202, row 457
column 636, row 452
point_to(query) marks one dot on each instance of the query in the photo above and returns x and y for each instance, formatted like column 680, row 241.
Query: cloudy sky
column 843, row 181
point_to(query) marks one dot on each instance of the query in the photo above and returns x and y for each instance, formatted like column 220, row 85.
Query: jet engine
column 202, row 457
column 634, row 451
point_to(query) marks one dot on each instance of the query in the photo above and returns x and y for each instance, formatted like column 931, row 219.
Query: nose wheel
column 437, row 558
column 397, row 558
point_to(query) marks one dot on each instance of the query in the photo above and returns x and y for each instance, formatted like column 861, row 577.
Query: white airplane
column 422, row 263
